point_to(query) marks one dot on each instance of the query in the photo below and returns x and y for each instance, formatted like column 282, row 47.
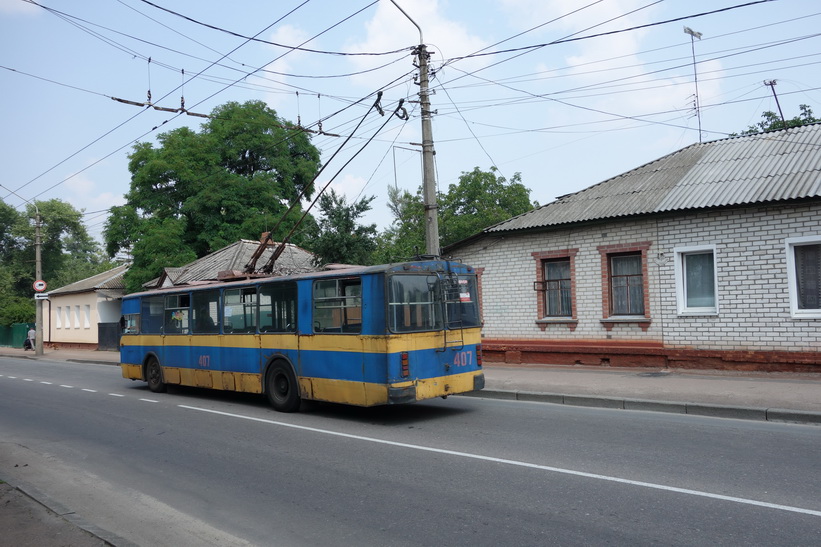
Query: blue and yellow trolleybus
column 361, row 335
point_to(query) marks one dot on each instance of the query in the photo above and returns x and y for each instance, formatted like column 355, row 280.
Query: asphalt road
column 195, row 467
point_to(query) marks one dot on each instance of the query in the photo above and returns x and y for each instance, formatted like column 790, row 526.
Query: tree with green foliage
column 68, row 254
column 480, row 199
column 341, row 238
column 201, row 191
column 405, row 237
column 772, row 122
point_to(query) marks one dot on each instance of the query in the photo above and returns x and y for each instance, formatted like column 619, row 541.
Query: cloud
column 15, row 7
column 285, row 60
column 390, row 29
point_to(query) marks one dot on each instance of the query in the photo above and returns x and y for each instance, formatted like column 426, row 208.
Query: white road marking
column 149, row 400
column 90, row 390
column 69, row 387
column 596, row 476
column 47, row 383
column 116, row 395
column 27, row 380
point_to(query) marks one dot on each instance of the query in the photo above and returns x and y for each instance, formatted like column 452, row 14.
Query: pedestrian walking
column 32, row 335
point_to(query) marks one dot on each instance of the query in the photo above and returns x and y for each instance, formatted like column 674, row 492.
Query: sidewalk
column 786, row 397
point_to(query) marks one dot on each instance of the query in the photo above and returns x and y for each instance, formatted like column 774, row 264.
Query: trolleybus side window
column 151, row 314
column 277, row 307
column 130, row 323
column 176, row 314
column 205, row 310
column 240, row 310
column 461, row 297
column 338, row 305
column 413, row 305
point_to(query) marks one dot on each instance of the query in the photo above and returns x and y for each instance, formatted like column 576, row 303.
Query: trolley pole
column 428, row 168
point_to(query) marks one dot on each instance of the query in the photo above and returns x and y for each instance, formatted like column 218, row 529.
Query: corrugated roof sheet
column 111, row 280
column 234, row 257
column 776, row 166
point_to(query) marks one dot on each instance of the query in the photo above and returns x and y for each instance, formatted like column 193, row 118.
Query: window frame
column 792, row 281
column 540, row 286
column 611, row 277
column 557, row 291
column 343, row 307
column 681, row 286
column 282, row 310
column 173, row 304
column 248, row 299
column 606, row 251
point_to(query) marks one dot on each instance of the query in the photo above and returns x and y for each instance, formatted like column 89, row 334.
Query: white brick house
column 709, row 257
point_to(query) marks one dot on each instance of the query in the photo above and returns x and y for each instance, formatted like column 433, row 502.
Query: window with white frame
column 77, row 316
column 87, row 316
column 696, row 288
column 804, row 276
column 59, row 317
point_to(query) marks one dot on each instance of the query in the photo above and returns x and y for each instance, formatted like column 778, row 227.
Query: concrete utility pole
column 693, row 35
column 38, row 274
column 771, row 85
column 428, row 168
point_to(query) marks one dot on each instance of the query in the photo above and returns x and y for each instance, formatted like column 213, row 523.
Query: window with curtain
column 626, row 284
column 808, row 276
column 557, row 293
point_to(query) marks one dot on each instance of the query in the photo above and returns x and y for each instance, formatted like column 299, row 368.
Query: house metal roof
column 767, row 167
column 111, row 280
column 293, row 260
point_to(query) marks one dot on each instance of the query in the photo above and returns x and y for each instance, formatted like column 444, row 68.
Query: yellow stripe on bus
column 393, row 343
column 319, row 389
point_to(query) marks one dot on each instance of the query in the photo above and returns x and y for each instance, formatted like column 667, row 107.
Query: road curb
column 69, row 516
column 695, row 409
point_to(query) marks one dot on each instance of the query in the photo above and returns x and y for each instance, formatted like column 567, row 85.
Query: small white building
column 85, row 314
column 709, row 257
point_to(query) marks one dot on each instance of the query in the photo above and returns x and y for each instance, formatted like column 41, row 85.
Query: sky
column 565, row 93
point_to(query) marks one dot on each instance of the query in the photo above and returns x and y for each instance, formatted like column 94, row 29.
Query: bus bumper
column 399, row 395
column 435, row 387
column 478, row 382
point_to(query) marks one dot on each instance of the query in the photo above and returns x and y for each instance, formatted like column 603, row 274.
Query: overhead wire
column 295, row 48
column 443, row 88
column 131, row 118
column 551, row 96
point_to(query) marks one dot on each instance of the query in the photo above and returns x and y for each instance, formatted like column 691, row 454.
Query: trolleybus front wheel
column 281, row 387
column 154, row 376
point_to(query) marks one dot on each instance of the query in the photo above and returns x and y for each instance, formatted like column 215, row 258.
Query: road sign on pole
column 39, row 285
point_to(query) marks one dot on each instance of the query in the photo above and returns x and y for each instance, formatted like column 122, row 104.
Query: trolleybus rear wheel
column 154, row 376
column 281, row 387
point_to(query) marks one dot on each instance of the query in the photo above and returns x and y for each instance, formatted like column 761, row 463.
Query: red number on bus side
column 463, row 358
